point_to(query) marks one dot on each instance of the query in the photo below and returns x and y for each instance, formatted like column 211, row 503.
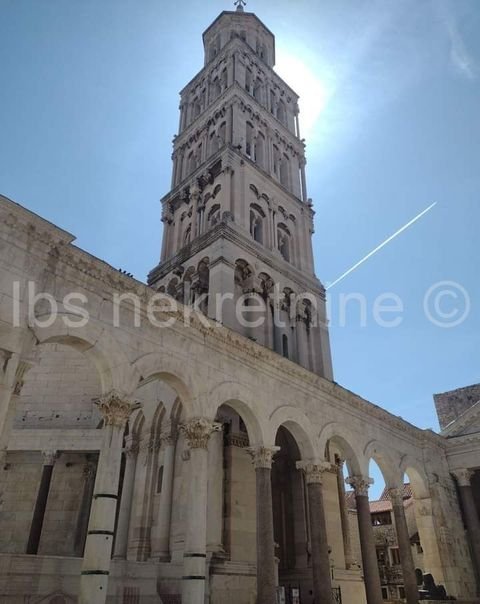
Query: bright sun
column 314, row 93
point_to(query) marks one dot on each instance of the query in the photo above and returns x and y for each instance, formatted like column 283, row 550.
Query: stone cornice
column 462, row 422
column 234, row 235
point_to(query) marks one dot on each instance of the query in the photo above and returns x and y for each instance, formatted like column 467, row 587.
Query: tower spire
column 240, row 4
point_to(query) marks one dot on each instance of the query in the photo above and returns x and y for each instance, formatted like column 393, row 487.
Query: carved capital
column 198, row 430
column 314, row 470
column 115, row 409
column 463, row 477
column 396, row 495
column 49, row 457
column 360, row 484
column 262, row 457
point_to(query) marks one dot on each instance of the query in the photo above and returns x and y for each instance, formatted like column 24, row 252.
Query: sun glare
column 314, row 93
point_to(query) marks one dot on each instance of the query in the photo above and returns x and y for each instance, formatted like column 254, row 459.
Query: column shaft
column 347, row 544
column 369, row 556
column 266, row 588
column 85, row 507
column 98, row 547
column 472, row 522
column 405, row 549
column 123, row 524
column 161, row 533
column 40, row 506
column 322, row 583
column 197, row 433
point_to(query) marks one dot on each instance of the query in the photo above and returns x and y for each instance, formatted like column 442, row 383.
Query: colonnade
column 197, row 432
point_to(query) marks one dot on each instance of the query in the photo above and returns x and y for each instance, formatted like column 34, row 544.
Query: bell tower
column 238, row 224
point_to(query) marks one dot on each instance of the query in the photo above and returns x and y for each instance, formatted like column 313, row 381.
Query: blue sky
column 390, row 109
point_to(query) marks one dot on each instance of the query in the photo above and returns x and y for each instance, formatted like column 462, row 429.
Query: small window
column 384, row 593
column 160, row 479
column 285, row 346
column 381, row 519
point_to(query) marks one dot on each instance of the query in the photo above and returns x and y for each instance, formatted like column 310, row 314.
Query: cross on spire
column 240, row 4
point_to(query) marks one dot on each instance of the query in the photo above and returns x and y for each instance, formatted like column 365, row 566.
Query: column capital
column 463, row 477
column 314, row 470
column 115, row 408
column 360, row 484
column 197, row 431
column 49, row 457
column 262, row 457
column 396, row 495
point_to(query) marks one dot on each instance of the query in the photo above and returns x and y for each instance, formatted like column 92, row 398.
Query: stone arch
column 167, row 368
column 240, row 399
column 385, row 460
column 417, row 477
column 339, row 435
column 96, row 344
column 299, row 427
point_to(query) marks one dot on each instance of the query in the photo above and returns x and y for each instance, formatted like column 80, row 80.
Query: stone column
column 470, row 514
column 161, row 532
column 266, row 584
column 322, row 582
column 98, row 547
column 89, row 472
column 123, row 523
column 215, row 494
column 197, row 434
column 367, row 541
column 404, row 546
column 41, row 502
column 347, row 543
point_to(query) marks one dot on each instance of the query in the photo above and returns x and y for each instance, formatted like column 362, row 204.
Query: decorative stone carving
column 198, row 430
column 49, row 457
column 314, row 470
column 262, row 457
column 396, row 495
column 360, row 484
column 115, row 409
column 463, row 477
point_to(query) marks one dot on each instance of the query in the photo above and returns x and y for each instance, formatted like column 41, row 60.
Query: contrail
column 382, row 245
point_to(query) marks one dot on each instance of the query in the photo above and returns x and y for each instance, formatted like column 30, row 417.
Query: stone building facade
column 156, row 448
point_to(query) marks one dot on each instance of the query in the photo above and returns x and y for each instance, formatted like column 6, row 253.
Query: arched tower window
column 257, row 90
column 284, row 242
column 282, row 113
column 285, row 171
column 260, row 150
column 249, row 141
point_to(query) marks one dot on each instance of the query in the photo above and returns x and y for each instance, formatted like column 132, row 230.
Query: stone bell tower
column 237, row 222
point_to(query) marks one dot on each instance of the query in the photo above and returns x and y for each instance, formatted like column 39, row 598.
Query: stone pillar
column 266, row 583
column 98, row 547
column 215, row 494
column 367, row 541
column 41, row 502
column 89, row 472
column 123, row 523
column 347, row 542
column 404, row 546
column 470, row 515
column 161, row 532
column 322, row 582
column 197, row 434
